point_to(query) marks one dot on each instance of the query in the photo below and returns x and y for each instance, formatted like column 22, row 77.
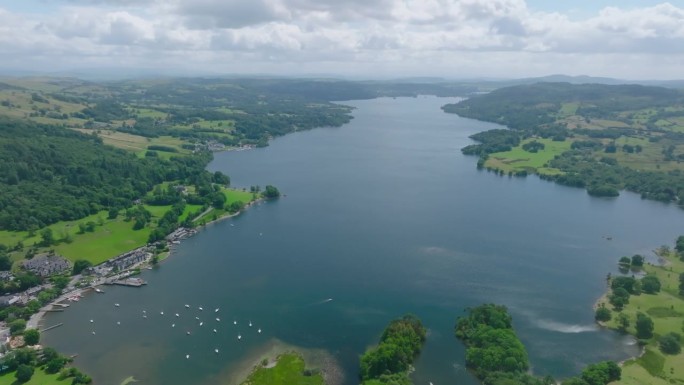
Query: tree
column 270, row 192
column 80, row 265
column 47, row 236
column 625, row 262
column 619, row 298
column 644, row 326
column 637, row 260
column 602, row 314
column 623, row 322
column 670, row 343
column 650, row 284
column 55, row 365
column 31, row 337
column 17, row 326
column 24, row 373
column 139, row 224
column 679, row 246
column 626, row 283
column 113, row 213
column 5, row 262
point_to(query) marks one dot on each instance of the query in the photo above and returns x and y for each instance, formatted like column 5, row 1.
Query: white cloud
column 445, row 37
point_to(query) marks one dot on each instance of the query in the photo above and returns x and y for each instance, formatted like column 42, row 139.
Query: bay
column 383, row 216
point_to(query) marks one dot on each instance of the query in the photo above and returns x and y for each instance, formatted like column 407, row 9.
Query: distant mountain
column 581, row 79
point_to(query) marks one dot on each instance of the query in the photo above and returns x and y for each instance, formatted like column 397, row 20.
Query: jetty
column 135, row 282
column 52, row 327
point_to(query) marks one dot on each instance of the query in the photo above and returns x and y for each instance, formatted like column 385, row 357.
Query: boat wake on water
column 321, row 302
column 563, row 327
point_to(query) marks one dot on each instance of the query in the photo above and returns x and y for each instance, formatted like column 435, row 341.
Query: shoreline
column 36, row 320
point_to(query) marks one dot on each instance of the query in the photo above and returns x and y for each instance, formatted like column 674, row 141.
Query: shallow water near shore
column 382, row 217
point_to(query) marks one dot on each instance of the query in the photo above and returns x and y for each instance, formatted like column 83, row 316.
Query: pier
column 52, row 327
column 135, row 282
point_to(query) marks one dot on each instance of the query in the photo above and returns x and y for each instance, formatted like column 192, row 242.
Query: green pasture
column 288, row 370
column 649, row 159
column 518, row 159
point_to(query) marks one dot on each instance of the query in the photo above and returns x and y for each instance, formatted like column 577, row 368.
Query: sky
column 456, row 39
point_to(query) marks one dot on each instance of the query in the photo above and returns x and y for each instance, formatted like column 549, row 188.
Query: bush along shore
column 647, row 301
column 496, row 356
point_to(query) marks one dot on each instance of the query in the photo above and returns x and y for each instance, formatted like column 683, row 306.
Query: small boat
column 173, row 325
column 218, row 319
column 188, row 333
column 177, row 315
column 99, row 291
column 116, row 304
column 118, row 322
column 216, row 310
column 232, row 225
column 93, row 333
column 144, row 316
column 250, row 323
column 239, row 337
column 216, row 351
column 187, row 306
column 161, row 312
column 259, row 331
column 200, row 308
column 234, row 322
column 214, row 330
column 201, row 323
column 197, row 318
column 91, row 321
column 187, row 356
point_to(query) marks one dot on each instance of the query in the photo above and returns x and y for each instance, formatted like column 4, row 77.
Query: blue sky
column 634, row 39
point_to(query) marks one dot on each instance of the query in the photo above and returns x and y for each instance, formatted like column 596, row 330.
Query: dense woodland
column 49, row 174
column 389, row 362
column 622, row 136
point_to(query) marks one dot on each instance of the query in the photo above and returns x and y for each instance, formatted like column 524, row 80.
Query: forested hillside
column 50, row 174
column 600, row 137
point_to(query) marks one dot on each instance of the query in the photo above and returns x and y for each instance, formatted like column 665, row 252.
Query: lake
column 381, row 217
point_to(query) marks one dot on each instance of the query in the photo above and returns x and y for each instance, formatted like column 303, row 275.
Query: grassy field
column 107, row 241
column 520, row 160
column 39, row 378
column 288, row 370
column 139, row 144
column 649, row 159
column 110, row 237
column 666, row 309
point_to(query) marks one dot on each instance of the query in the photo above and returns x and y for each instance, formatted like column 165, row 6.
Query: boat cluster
column 197, row 318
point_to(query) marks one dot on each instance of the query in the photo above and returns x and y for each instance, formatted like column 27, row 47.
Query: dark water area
column 382, row 217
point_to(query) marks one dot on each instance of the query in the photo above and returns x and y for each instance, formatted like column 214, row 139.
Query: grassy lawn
column 107, row 241
column 39, row 378
column 666, row 309
column 288, row 370
column 233, row 195
column 569, row 109
column 518, row 159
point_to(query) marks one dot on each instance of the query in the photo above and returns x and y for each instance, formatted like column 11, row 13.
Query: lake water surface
column 382, row 217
